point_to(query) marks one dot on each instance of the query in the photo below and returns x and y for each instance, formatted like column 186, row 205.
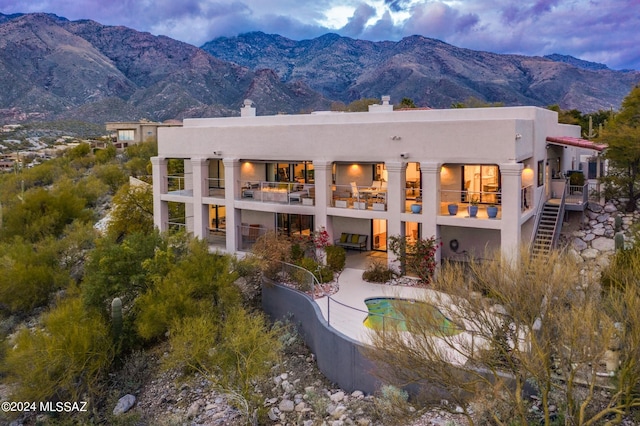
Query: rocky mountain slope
column 429, row 71
column 52, row 69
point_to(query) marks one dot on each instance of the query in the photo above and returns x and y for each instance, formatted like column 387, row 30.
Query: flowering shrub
column 418, row 256
column 321, row 238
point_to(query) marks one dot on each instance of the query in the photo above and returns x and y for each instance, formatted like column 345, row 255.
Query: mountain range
column 55, row 69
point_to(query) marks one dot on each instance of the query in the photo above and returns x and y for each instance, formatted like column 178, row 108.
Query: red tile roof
column 582, row 143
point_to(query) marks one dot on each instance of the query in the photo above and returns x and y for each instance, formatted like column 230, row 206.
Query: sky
column 604, row 31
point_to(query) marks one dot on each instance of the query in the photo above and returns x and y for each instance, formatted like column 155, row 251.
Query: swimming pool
column 384, row 311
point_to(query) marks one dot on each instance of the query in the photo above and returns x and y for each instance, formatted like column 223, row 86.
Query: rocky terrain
column 55, row 69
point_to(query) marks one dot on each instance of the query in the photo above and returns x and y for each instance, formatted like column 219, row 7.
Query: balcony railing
column 278, row 192
column 215, row 187
column 577, row 194
column 177, row 224
column 177, row 185
column 249, row 234
column 413, row 196
column 359, row 197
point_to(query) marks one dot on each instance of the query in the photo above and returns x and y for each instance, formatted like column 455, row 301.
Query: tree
column 132, row 211
column 407, row 103
column 473, row 102
column 359, row 105
column 539, row 325
column 622, row 135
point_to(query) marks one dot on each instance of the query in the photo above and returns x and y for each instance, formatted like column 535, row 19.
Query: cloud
column 596, row 30
column 357, row 22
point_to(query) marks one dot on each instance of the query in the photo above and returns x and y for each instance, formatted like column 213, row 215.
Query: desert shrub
column 111, row 174
column 392, row 404
column 117, row 269
column 336, row 258
column 378, row 272
column 322, row 273
column 65, row 359
column 623, row 269
column 200, row 282
column 30, row 275
column 234, row 353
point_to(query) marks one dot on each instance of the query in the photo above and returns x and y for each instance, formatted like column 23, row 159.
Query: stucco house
column 125, row 133
column 366, row 176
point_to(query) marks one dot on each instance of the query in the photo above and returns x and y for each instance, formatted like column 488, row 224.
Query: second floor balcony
column 277, row 192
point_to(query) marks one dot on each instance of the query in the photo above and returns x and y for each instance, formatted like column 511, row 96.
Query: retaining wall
column 338, row 357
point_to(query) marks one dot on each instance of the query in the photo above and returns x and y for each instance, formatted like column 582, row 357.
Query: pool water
column 384, row 310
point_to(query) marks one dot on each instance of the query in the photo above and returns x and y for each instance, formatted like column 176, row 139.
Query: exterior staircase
column 548, row 227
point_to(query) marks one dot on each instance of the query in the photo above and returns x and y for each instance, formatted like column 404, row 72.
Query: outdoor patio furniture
column 352, row 241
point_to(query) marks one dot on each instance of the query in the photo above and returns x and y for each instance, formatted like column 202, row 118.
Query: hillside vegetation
column 76, row 303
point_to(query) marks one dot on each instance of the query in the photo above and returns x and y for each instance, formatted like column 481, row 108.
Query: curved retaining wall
column 338, row 357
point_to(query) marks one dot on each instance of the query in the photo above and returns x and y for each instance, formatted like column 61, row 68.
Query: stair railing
column 538, row 216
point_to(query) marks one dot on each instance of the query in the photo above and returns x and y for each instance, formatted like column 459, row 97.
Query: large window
column 294, row 224
column 290, row 172
column 126, row 135
column 481, row 182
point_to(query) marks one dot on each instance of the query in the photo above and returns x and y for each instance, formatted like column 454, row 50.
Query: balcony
column 471, row 204
column 277, row 192
column 215, row 187
column 359, row 197
column 176, row 185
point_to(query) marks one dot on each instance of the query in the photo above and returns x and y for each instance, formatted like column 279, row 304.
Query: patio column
column 430, row 176
column 395, row 200
column 200, row 169
column 322, row 181
column 231, row 189
column 510, row 235
column 160, row 186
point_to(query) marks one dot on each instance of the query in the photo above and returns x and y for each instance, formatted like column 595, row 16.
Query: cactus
column 617, row 224
column 116, row 317
column 619, row 241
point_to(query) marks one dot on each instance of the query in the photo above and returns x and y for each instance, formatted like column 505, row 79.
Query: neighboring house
column 133, row 132
column 372, row 174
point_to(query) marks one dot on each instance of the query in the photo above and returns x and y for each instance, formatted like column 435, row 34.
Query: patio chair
column 354, row 190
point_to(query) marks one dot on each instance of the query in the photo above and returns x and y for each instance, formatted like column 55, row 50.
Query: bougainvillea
column 417, row 256
column 321, row 238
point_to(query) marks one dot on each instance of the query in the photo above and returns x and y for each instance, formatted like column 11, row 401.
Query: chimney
column 248, row 110
column 385, row 107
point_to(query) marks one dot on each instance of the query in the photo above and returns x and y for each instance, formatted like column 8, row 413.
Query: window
column 481, row 183
column 126, row 135
column 540, row 173
column 294, row 224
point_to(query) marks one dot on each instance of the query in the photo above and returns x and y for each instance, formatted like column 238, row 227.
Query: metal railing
column 577, row 194
column 470, row 197
column 277, row 192
column 215, row 187
column 359, row 197
column 249, row 234
column 177, row 224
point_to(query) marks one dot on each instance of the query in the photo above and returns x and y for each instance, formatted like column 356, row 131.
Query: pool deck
column 353, row 291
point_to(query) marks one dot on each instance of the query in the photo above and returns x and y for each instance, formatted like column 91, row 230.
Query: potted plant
column 453, row 208
column 473, row 207
column 416, row 208
column 492, row 211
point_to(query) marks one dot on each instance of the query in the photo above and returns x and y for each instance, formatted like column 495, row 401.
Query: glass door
column 379, row 232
